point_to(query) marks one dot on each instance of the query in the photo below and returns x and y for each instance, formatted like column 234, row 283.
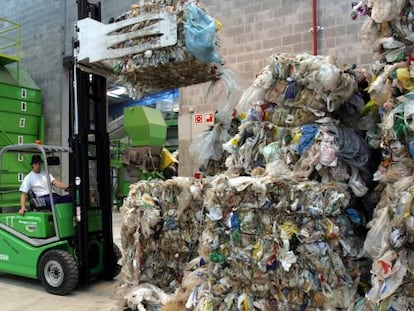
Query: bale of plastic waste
column 241, row 240
column 388, row 244
column 162, row 222
column 297, row 89
column 275, row 243
column 389, row 239
column 292, row 92
column 192, row 59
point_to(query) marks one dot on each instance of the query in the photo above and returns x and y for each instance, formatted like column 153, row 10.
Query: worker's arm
column 23, row 198
column 59, row 184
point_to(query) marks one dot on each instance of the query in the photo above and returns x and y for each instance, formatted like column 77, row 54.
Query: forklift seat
column 35, row 202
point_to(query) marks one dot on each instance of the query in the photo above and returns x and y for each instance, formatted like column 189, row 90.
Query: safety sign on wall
column 204, row 118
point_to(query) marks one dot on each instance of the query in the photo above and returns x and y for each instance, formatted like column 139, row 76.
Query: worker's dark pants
column 57, row 198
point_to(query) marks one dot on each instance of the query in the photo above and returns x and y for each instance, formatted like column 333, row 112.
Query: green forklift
column 41, row 243
column 70, row 243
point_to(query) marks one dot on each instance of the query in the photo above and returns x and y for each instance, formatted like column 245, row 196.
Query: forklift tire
column 117, row 256
column 58, row 272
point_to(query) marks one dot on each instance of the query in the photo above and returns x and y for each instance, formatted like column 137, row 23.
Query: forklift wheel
column 58, row 272
column 118, row 256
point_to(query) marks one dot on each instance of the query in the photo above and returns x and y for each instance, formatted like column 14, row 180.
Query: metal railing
column 10, row 41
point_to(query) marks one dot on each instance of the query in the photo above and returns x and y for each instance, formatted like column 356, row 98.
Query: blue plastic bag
column 200, row 34
column 307, row 138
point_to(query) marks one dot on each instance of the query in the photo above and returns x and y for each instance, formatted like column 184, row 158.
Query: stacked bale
column 261, row 241
column 160, row 231
column 192, row 59
column 275, row 244
column 388, row 30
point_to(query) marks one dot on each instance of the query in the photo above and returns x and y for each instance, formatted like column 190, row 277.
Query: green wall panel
column 21, row 93
column 20, row 106
column 19, row 123
column 13, row 138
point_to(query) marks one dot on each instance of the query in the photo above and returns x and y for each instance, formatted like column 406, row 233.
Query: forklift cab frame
column 44, row 244
column 46, row 152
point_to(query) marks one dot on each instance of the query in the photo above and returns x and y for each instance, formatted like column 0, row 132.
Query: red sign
column 198, row 118
column 206, row 118
column 209, row 117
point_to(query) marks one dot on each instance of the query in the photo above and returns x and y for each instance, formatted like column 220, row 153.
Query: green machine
column 145, row 126
column 40, row 243
column 144, row 157
column 120, row 180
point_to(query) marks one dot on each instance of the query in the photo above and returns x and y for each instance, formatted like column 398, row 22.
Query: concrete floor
column 18, row 293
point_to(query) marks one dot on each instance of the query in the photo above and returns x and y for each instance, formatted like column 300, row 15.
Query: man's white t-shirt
column 36, row 182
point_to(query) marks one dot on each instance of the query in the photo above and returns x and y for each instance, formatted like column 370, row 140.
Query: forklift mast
column 89, row 163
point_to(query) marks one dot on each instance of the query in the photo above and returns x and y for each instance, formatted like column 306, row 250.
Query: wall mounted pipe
column 315, row 27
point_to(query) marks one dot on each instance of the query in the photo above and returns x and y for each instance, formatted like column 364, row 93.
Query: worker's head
column 36, row 163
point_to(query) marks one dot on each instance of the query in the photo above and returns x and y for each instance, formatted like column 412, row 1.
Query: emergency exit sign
column 204, row 118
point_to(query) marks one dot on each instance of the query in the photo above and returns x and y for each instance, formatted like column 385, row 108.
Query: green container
column 16, row 162
column 11, row 179
column 10, row 197
column 145, row 126
column 20, row 93
column 16, row 83
column 32, row 224
column 19, row 123
column 22, row 107
column 13, row 138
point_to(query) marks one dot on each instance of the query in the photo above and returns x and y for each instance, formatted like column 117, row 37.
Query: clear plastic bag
column 265, row 79
column 252, row 95
column 388, row 273
column 386, row 10
column 409, row 115
column 225, row 94
column 278, row 168
column 272, row 152
column 339, row 172
column 356, row 183
column 208, row 145
column 388, row 49
column 377, row 240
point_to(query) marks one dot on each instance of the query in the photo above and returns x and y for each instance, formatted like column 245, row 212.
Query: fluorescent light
column 116, row 91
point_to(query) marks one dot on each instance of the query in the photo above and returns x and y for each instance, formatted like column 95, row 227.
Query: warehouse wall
column 41, row 52
column 253, row 30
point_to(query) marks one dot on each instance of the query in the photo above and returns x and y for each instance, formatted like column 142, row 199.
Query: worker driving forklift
column 35, row 185
column 42, row 243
